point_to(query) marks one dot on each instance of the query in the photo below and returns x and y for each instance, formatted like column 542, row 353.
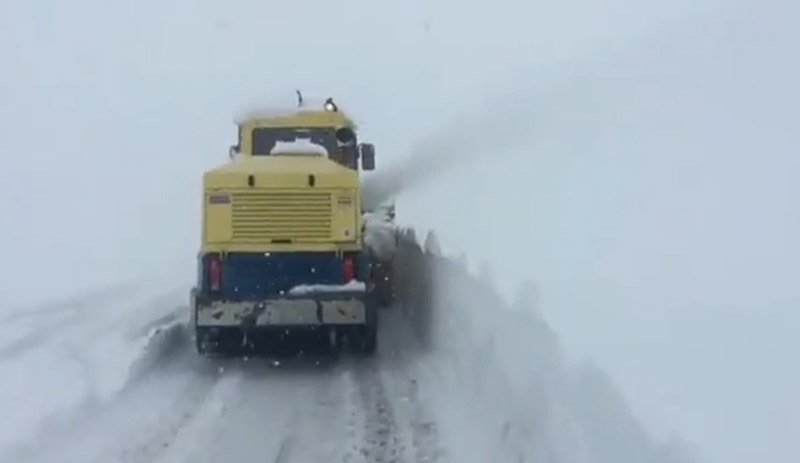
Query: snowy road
column 342, row 410
column 113, row 377
column 173, row 406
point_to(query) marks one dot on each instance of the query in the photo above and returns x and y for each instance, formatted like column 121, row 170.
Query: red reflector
column 349, row 269
column 214, row 274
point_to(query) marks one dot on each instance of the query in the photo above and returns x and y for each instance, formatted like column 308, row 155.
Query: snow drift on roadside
column 509, row 393
column 60, row 357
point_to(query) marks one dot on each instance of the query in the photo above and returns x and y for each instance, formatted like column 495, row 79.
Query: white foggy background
column 657, row 214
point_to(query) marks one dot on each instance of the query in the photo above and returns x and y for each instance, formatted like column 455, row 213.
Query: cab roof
column 304, row 116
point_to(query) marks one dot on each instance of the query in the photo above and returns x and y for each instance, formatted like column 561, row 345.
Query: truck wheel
column 201, row 341
column 367, row 340
column 210, row 343
column 206, row 342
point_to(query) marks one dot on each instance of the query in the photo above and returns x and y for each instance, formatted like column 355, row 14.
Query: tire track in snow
column 382, row 438
column 170, row 391
column 147, row 446
column 327, row 410
column 389, row 418
column 390, row 414
column 397, row 370
column 287, row 411
column 424, row 431
column 340, row 411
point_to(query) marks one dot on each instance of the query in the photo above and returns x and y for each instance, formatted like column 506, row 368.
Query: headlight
column 330, row 106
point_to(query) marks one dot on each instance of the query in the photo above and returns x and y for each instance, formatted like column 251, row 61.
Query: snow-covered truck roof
column 310, row 116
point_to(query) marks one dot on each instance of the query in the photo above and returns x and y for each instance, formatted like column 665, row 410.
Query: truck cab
column 330, row 133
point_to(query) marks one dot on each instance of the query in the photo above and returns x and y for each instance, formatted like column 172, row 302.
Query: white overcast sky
column 649, row 188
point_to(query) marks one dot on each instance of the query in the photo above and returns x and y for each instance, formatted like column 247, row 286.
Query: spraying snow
column 493, row 128
column 380, row 234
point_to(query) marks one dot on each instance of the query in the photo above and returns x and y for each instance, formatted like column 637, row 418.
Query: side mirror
column 367, row 151
column 233, row 150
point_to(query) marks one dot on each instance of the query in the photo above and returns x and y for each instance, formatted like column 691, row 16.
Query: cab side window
column 263, row 141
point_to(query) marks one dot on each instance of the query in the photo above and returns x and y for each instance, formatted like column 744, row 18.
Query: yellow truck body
column 282, row 235
column 280, row 212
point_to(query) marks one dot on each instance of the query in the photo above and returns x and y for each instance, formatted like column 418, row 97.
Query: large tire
column 206, row 343
column 368, row 334
column 201, row 344
column 222, row 344
column 368, row 341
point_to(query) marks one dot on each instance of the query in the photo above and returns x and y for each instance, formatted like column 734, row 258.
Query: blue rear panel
column 253, row 276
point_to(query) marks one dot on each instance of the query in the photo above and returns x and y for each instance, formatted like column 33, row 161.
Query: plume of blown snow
column 510, row 115
column 521, row 112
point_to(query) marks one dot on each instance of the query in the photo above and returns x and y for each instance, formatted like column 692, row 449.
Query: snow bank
column 58, row 358
column 531, row 400
column 504, row 389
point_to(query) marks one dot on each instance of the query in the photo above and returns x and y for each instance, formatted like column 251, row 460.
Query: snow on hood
column 298, row 147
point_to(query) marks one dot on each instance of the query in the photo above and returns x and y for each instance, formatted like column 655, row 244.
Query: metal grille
column 276, row 215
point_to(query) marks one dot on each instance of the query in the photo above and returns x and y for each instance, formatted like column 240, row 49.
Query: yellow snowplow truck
column 283, row 239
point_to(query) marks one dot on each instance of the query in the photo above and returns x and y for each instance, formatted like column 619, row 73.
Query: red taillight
column 215, row 274
column 349, row 268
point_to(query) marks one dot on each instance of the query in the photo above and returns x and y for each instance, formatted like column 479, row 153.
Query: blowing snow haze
column 658, row 222
column 638, row 160
column 487, row 130
column 648, row 187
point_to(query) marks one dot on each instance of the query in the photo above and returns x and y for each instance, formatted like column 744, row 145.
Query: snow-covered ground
column 647, row 187
column 75, row 354
column 113, row 377
column 504, row 399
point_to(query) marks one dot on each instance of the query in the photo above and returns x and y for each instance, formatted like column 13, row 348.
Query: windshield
column 265, row 139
